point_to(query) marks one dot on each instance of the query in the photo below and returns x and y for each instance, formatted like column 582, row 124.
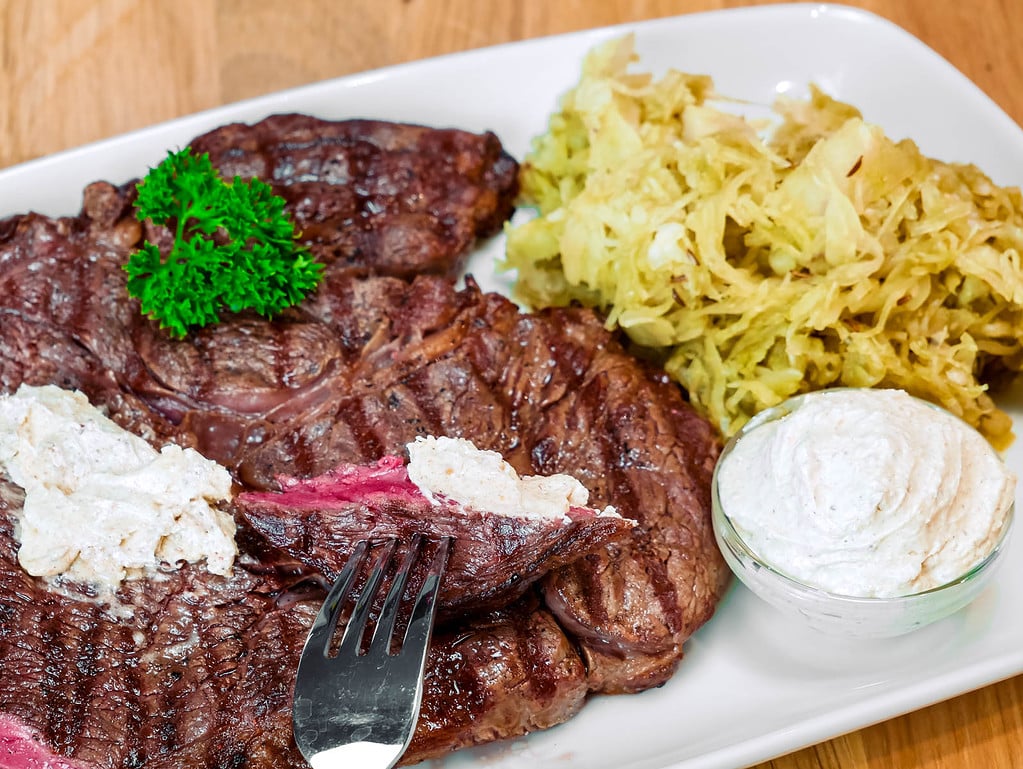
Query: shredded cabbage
column 762, row 264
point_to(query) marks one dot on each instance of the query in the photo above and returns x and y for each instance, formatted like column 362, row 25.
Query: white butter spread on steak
column 454, row 470
column 101, row 504
column 202, row 675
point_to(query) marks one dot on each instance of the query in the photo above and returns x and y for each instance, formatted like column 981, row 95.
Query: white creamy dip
column 455, row 469
column 868, row 493
column 101, row 504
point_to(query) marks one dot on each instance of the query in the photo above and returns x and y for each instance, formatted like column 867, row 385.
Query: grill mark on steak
column 54, row 656
column 85, row 690
column 367, row 442
column 663, row 587
column 131, row 708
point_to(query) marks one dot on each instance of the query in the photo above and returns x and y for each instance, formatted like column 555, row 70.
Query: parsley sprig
column 234, row 247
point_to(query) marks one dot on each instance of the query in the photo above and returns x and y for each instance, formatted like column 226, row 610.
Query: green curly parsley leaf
column 234, row 247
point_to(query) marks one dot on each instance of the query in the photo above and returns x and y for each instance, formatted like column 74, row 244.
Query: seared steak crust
column 361, row 368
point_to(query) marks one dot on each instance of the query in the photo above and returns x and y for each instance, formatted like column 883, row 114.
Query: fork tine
column 389, row 613
column 356, row 708
column 420, row 628
column 356, row 627
column 326, row 620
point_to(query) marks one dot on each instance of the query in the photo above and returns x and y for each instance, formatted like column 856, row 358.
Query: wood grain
column 73, row 71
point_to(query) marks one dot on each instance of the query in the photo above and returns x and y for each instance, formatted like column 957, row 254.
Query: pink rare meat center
column 351, row 483
column 22, row 748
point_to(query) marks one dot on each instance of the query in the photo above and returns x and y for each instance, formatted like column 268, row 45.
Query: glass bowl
column 831, row 613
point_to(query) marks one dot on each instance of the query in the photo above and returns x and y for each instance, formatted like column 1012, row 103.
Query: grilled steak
column 356, row 372
column 493, row 557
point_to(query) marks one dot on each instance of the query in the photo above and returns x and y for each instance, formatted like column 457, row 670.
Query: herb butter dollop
column 101, row 504
column 453, row 468
column 867, row 493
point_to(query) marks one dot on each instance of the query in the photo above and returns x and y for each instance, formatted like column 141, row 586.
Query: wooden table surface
column 72, row 72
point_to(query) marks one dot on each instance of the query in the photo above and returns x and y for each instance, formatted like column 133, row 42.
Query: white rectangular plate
column 752, row 686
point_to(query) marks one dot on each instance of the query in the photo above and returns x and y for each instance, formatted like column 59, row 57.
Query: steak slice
column 493, row 557
column 392, row 198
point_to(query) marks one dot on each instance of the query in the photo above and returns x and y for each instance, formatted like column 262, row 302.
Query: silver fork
column 359, row 708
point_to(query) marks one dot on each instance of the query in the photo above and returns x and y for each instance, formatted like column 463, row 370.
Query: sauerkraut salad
column 761, row 261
